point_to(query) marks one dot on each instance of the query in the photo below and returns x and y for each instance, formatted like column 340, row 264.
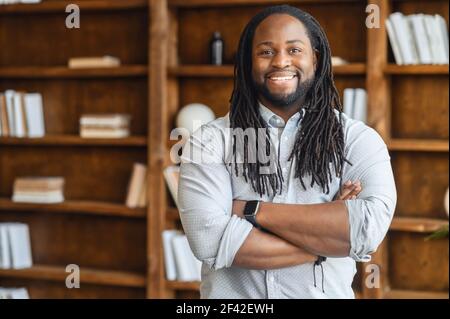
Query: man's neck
column 285, row 112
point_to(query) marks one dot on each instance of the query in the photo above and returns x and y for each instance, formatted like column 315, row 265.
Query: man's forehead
column 280, row 27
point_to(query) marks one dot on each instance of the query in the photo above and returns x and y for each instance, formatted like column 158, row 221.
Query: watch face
column 250, row 207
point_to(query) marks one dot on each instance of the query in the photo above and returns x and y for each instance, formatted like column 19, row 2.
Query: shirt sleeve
column 371, row 213
column 205, row 200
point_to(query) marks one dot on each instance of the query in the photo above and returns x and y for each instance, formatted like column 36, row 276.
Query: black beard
column 285, row 100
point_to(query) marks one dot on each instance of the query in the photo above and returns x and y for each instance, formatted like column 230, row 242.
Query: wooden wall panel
column 111, row 243
column 419, row 115
column 421, row 180
column 417, row 264
column 47, row 41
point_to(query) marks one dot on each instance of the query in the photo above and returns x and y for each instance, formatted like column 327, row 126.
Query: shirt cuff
column 356, row 219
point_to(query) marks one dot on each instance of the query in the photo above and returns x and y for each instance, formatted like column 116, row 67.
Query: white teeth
column 282, row 78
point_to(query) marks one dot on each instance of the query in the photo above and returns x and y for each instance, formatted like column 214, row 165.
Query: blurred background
column 91, row 89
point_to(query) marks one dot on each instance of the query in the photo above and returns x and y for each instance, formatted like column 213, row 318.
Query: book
column 14, row 293
column 142, row 202
column 172, row 175
column 103, row 133
column 20, row 245
column 34, row 115
column 93, row 62
column 169, row 255
column 442, row 37
column 9, row 96
column 187, row 266
column 4, row 116
column 360, row 105
column 349, row 95
column 138, row 176
column 394, row 42
column 105, row 120
column 404, row 37
column 5, row 256
column 417, row 24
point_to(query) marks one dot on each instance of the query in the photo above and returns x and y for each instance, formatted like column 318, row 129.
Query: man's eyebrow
column 269, row 43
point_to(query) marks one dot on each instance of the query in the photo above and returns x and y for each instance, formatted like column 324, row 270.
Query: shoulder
column 358, row 134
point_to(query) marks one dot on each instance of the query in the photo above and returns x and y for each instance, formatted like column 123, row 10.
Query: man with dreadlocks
column 263, row 211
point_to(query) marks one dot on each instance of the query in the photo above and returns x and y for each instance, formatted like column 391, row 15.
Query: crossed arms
column 345, row 227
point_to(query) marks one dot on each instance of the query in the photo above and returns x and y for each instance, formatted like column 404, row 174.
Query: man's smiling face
column 283, row 60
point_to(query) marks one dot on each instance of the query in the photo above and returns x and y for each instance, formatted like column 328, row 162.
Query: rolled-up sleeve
column 205, row 200
column 371, row 213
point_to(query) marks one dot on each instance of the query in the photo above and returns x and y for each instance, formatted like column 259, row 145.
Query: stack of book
column 14, row 293
column 355, row 104
column 418, row 38
column 21, row 114
column 15, row 246
column 180, row 262
column 38, row 190
column 137, row 187
column 105, row 125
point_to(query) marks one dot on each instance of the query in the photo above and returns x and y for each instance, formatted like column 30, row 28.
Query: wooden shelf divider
column 417, row 224
column 416, row 69
column 414, row 294
column 418, row 145
column 75, row 140
column 87, row 275
column 48, row 6
column 75, row 206
column 221, row 3
column 63, row 72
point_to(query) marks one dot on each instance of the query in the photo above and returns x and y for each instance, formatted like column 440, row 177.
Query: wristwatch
column 250, row 210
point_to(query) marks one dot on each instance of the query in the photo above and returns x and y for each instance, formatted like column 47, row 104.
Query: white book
column 108, row 120
column 5, row 254
column 137, row 181
column 433, row 39
column 394, row 42
column 184, row 259
column 9, row 96
column 442, row 36
column 349, row 98
column 417, row 24
column 169, row 255
column 172, row 176
column 19, row 117
column 99, row 133
column 28, row 198
column 360, row 106
column 19, row 241
column 34, row 114
column 405, row 38
column 14, row 293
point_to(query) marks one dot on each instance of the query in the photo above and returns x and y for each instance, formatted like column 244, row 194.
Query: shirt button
column 271, row 278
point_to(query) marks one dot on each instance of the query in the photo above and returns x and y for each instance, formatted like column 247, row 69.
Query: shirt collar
column 276, row 121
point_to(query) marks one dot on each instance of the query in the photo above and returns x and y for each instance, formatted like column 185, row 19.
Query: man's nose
column 282, row 60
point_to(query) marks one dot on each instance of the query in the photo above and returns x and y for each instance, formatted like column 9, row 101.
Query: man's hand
column 349, row 191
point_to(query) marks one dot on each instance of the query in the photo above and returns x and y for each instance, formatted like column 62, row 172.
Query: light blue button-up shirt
column 208, row 186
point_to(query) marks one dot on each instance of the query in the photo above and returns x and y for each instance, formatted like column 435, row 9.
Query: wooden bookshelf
column 92, row 228
column 87, row 276
column 180, row 285
column 74, row 206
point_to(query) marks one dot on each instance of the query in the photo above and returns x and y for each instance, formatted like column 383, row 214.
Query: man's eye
column 296, row 50
column 266, row 52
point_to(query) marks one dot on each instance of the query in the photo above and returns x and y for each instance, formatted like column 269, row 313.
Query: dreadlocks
column 319, row 141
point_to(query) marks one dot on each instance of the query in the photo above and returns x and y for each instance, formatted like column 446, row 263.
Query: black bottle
column 216, row 49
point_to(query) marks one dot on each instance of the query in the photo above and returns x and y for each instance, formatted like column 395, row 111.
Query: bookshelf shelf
column 227, row 71
column 417, row 225
column 88, row 275
column 33, row 72
column 75, row 140
column 418, row 145
column 59, row 6
column 414, row 294
column 219, row 3
column 416, row 69
column 181, row 285
column 76, row 206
